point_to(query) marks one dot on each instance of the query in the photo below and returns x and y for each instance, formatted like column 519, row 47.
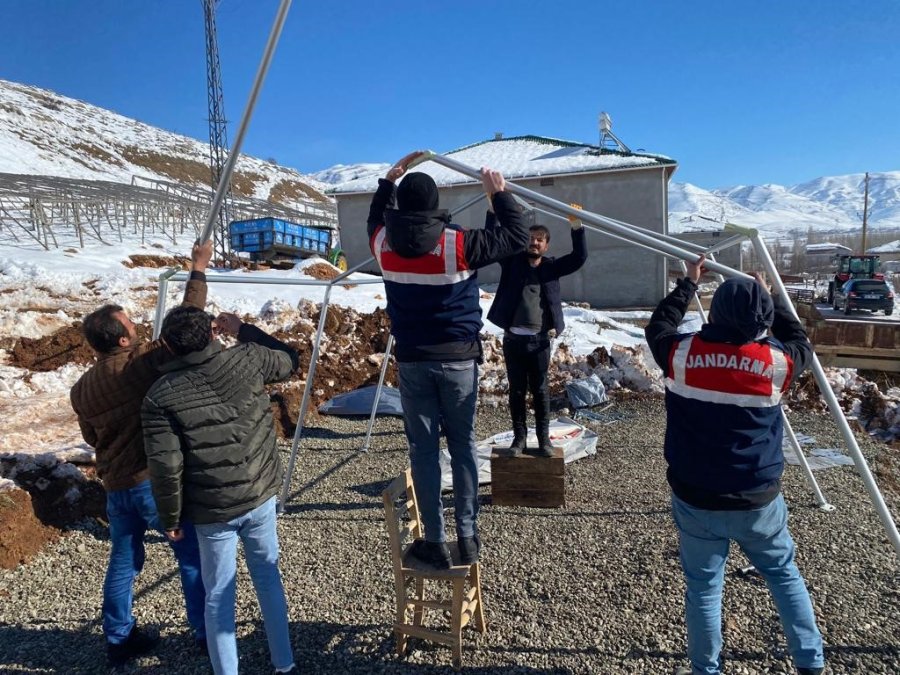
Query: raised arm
column 276, row 359
column 789, row 332
column 572, row 262
column 492, row 244
column 662, row 331
column 384, row 195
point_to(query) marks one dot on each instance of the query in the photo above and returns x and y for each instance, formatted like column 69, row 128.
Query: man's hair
column 541, row 230
column 187, row 329
column 102, row 330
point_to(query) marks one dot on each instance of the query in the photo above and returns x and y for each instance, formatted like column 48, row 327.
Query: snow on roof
column 825, row 247
column 890, row 247
column 521, row 157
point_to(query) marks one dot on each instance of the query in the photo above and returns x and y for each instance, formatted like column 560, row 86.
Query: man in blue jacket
column 723, row 447
column 527, row 307
column 430, row 278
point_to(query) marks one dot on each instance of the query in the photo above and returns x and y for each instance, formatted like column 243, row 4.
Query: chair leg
column 459, row 592
column 419, row 612
column 399, row 635
column 480, row 623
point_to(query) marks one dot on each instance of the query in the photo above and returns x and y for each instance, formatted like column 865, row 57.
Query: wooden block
column 528, row 480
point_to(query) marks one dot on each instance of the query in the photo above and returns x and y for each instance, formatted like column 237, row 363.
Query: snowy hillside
column 341, row 173
column 43, row 133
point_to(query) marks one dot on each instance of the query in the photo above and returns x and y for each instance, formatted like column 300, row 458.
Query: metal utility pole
column 218, row 133
column 865, row 214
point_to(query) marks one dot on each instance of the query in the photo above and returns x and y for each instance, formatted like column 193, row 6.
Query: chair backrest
column 401, row 515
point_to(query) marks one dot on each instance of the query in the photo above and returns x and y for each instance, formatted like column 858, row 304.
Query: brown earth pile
column 22, row 535
column 66, row 345
column 322, row 271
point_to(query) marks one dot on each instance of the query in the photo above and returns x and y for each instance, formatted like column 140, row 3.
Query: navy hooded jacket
column 723, row 394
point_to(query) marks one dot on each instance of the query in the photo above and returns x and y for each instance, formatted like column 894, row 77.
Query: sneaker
column 469, row 548
column 516, row 447
column 203, row 647
column 429, row 555
column 136, row 644
column 810, row 671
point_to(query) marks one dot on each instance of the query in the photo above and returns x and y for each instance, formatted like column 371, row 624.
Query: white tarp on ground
column 817, row 458
column 577, row 442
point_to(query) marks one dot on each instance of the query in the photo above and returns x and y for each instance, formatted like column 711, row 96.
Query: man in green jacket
column 210, row 443
column 107, row 400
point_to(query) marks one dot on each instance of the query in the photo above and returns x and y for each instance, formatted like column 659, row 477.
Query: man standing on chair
column 527, row 307
column 430, row 278
column 723, row 447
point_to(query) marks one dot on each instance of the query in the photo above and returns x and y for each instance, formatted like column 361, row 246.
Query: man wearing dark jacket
column 430, row 277
column 107, row 400
column 527, row 307
column 723, row 447
column 210, row 443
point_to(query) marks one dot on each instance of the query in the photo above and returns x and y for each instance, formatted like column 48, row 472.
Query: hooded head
column 417, row 192
column 742, row 306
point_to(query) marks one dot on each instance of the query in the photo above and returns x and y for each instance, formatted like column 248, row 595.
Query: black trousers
column 527, row 360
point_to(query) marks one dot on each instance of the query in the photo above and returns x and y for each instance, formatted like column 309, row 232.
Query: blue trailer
column 273, row 239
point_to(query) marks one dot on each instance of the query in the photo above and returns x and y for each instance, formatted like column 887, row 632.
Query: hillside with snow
column 44, row 133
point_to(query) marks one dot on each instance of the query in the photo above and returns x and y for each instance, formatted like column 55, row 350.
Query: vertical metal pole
column 384, row 366
column 301, row 415
column 161, row 300
column 890, row 527
column 789, row 430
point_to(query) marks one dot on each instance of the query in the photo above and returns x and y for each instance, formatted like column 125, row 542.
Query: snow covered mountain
column 43, row 133
column 341, row 173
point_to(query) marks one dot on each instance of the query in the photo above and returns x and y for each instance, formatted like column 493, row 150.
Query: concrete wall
column 616, row 274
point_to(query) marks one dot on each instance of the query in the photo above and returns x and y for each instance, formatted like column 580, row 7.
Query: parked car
column 873, row 294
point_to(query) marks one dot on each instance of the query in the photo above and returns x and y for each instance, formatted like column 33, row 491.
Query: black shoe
column 545, row 447
column 136, row 644
column 293, row 671
column 810, row 671
column 203, row 647
column 469, row 548
column 429, row 555
column 517, row 446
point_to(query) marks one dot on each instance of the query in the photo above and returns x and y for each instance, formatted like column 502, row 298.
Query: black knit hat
column 417, row 192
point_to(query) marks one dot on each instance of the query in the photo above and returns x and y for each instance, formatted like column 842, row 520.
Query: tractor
column 853, row 267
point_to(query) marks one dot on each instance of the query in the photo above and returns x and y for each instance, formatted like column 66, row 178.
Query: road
column 858, row 315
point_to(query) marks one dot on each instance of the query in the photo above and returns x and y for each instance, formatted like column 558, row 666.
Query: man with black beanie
column 723, row 447
column 430, row 278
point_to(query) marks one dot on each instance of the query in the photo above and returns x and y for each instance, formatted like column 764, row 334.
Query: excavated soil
column 322, row 271
column 143, row 260
column 22, row 535
column 66, row 345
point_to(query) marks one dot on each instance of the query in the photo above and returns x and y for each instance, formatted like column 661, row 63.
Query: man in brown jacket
column 107, row 400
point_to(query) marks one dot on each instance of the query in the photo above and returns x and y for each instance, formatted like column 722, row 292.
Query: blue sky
column 770, row 91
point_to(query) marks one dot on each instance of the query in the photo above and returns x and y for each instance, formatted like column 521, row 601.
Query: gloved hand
column 573, row 221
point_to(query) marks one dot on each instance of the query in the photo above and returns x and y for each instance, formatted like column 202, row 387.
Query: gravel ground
column 592, row 588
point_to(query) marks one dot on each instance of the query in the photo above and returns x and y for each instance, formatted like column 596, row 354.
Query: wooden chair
column 404, row 526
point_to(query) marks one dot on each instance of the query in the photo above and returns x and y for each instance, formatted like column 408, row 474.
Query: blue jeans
column 763, row 536
column 218, row 553
column 131, row 513
column 435, row 394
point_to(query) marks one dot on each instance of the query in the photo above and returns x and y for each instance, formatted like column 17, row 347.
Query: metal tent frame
column 653, row 241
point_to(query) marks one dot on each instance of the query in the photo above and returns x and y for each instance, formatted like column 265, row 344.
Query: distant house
column 887, row 252
column 821, row 256
column 628, row 186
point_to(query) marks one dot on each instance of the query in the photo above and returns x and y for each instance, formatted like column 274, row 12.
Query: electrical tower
column 218, row 133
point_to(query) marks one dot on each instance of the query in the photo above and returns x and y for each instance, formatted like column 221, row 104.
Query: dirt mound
column 22, row 535
column 143, row 260
column 322, row 271
column 67, row 345
column 349, row 358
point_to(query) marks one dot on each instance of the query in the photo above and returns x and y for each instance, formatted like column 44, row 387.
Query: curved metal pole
column 384, row 367
column 301, row 415
column 628, row 232
column 235, row 152
column 804, row 465
column 890, row 527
